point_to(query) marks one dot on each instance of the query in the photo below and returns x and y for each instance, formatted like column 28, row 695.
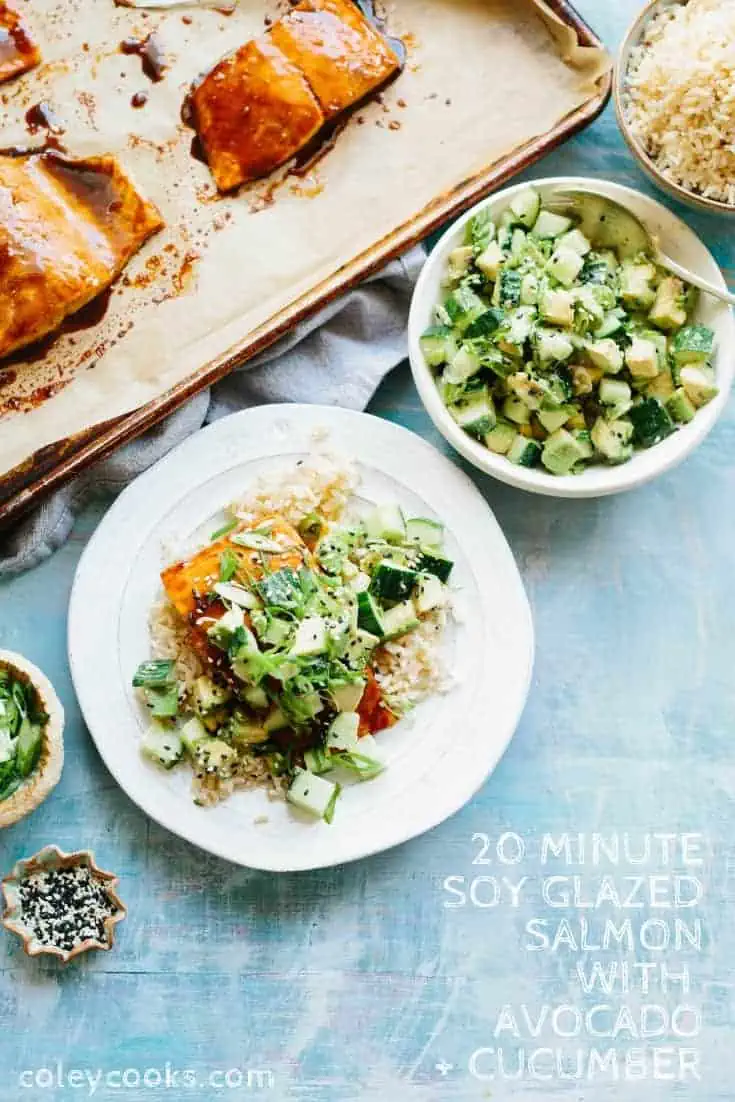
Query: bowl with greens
column 31, row 737
column 554, row 351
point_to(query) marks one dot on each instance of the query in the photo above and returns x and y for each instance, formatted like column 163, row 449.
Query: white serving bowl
column 676, row 239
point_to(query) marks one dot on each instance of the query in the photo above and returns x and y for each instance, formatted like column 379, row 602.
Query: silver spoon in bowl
column 609, row 225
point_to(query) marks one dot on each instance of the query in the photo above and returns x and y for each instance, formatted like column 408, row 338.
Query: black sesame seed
column 61, row 908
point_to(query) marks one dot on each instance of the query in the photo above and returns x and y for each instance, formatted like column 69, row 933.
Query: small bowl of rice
column 675, row 99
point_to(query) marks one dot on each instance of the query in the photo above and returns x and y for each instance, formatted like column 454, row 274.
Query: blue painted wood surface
column 362, row 982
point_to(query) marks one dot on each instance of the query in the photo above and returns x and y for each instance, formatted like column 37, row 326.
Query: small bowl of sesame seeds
column 61, row 904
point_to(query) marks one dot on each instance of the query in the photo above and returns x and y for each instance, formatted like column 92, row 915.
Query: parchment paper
column 483, row 78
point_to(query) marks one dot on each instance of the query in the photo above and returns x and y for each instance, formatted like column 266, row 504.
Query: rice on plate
column 305, row 625
column 680, row 96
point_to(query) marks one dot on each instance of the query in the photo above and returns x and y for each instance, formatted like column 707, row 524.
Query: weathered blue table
column 388, row 979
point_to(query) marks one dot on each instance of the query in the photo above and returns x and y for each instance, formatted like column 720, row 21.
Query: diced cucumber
column 699, row 384
column 360, row 648
column 484, row 325
column 553, row 419
column 317, row 761
column 680, row 407
column 575, row 240
column 369, row 615
column 549, row 225
column 192, row 733
column 612, row 439
column 427, row 533
column 584, row 441
column 616, row 398
column 651, row 422
column 529, row 289
column 612, row 323
column 518, row 243
column 552, row 345
column 490, row 261
column 669, row 307
column 509, row 288
column 565, row 265
column 476, row 414
column 162, row 746
column 430, row 593
column 524, row 452
column 256, row 697
column 313, row 794
column 275, row 721
column 463, row 366
column 480, row 231
column 438, row 345
column 433, row 562
column 223, row 630
column 500, row 438
column 463, row 306
column 390, row 582
column 386, row 523
column 636, row 284
column 311, row 637
column 208, row 696
column 400, row 620
column 693, row 344
column 346, row 697
column 526, row 206
column 343, row 731
column 561, row 452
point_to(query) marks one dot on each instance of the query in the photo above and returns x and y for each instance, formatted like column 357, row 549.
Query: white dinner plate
column 437, row 757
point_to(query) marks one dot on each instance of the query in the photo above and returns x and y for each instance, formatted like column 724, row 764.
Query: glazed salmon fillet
column 339, row 52
column 253, row 112
column 67, row 229
column 194, row 577
column 18, row 51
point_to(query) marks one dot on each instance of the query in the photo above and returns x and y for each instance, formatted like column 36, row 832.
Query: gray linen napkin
column 338, row 357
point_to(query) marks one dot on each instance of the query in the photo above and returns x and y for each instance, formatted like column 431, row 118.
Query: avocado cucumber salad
column 22, row 721
column 559, row 354
column 304, row 635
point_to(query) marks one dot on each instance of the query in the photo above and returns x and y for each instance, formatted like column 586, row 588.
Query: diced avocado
column 680, row 407
column 612, row 439
column 192, row 733
column 463, row 306
column 529, row 289
column 343, row 731
column 369, row 615
column 28, row 747
column 162, row 745
column 490, row 261
column 425, row 532
column 215, row 757
column 359, row 649
column 553, row 419
column 526, row 206
column 565, row 265
column 669, row 307
column 484, row 324
column 651, row 422
column 584, row 443
column 636, row 284
column 575, row 240
column 662, row 387
column 516, row 410
column 693, row 344
column 552, row 345
column 463, row 366
column 561, row 452
column 400, row 620
column 641, row 358
column 391, row 582
column 524, row 452
column 311, row 637
column 386, row 523
column 347, row 697
column 476, row 414
column 313, row 794
column 615, row 397
column 584, row 379
column 276, row 631
column 509, row 288
column 433, row 562
column 500, row 438
column 275, row 721
column 430, row 593
column 256, row 697
column 208, row 696
column 549, row 225
column 699, row 384
column 438, row 345
column 459, row 261
column 557, row 307
column 605, row 354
